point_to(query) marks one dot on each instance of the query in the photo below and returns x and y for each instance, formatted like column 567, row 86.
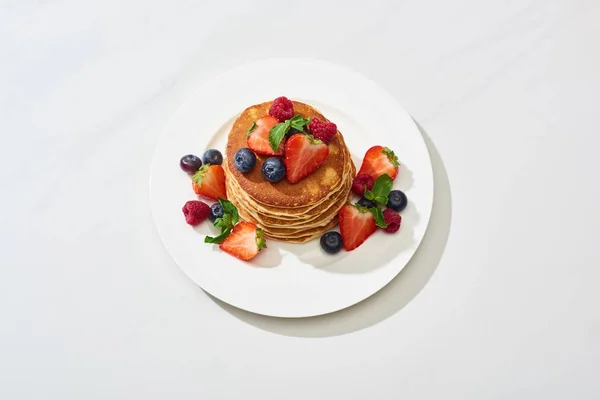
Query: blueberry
column 216, row 211
column 213, row 157
column 397, row 200
column 244, row 159
column 331, row 242
column 273, row 169
column 367, row 203
column 190, row 163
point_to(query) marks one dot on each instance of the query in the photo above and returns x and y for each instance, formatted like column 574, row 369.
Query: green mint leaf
column 381, row 189
column 378, row 214
column 218, row 239
column 382, row 199
column 368, row 194
column 228, row 206
column 230, row 215
column 298, row 122
column 277, row 133
column 224, row 222
column 252, row 127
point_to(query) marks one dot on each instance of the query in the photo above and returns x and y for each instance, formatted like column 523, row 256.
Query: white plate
column 291, row 280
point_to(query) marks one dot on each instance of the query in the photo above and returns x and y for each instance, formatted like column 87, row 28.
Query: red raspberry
column 392, row 219
column 359, row 183
column 195, row 211
column 282, row 109
column 322, row 130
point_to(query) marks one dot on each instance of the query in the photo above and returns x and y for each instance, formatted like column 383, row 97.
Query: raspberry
column 282, row 109
column 359, row 183
column 195, row 211
column 322, row 130
column 392, row 219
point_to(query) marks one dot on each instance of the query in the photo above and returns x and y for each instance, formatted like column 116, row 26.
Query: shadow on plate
column 392, row 298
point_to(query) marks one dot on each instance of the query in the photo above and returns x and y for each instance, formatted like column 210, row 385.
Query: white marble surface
column 92, row 307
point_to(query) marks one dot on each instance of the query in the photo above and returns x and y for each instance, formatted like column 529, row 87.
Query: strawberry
column 244, row 242
column 258, row 137
column 356, row 225
column 380, row 160
column 209, row 182
column 303, row 155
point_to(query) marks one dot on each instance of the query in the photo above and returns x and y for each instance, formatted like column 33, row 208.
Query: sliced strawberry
column 209, row 182
column 380, row 160
column 356, row 225
column 244, row 242
column 303, row 155
column 258, row 138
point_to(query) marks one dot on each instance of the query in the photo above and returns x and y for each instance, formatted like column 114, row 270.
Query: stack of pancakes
column 289, row 212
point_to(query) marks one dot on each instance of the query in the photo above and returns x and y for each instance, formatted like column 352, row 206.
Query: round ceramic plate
column 291, row 280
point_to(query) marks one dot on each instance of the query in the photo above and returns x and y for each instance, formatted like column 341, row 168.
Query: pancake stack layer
column 289, row 212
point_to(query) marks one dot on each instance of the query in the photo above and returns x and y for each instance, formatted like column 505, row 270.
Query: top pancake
column 309, row 190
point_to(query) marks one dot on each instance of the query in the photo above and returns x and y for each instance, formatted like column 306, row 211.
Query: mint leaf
column 252, row 127
column 298, row 122
column 277, row 133
column 226, row 222
column 229, row 209
column 378, row 214
column 381, row 189
column 218, row 239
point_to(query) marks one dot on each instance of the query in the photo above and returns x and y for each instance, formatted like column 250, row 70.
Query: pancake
column 313, row 217
column 283, row 194
column 289, row 212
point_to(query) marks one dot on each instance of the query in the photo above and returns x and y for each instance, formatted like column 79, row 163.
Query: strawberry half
column 258, row 137
column 379, row 160
column 303, row 155
column 244, row 242
column 209, row 182
column 356, row 225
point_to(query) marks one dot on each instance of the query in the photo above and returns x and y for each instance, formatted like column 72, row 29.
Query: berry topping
column 213, row 157
column 397, row 200
column 282, row 109
column 258, row 138
column 303, row 155
column 392, row 219
column 244, row 159
column 190, row 163
column 379, row 160
column 244, row 241
column 331, row 242
column 360, row 182
column 366, row 203
column 322, row 130
column 273, row 169
column 356, row 225
column 195, row 212
column 209, row 182
column 216, row 211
